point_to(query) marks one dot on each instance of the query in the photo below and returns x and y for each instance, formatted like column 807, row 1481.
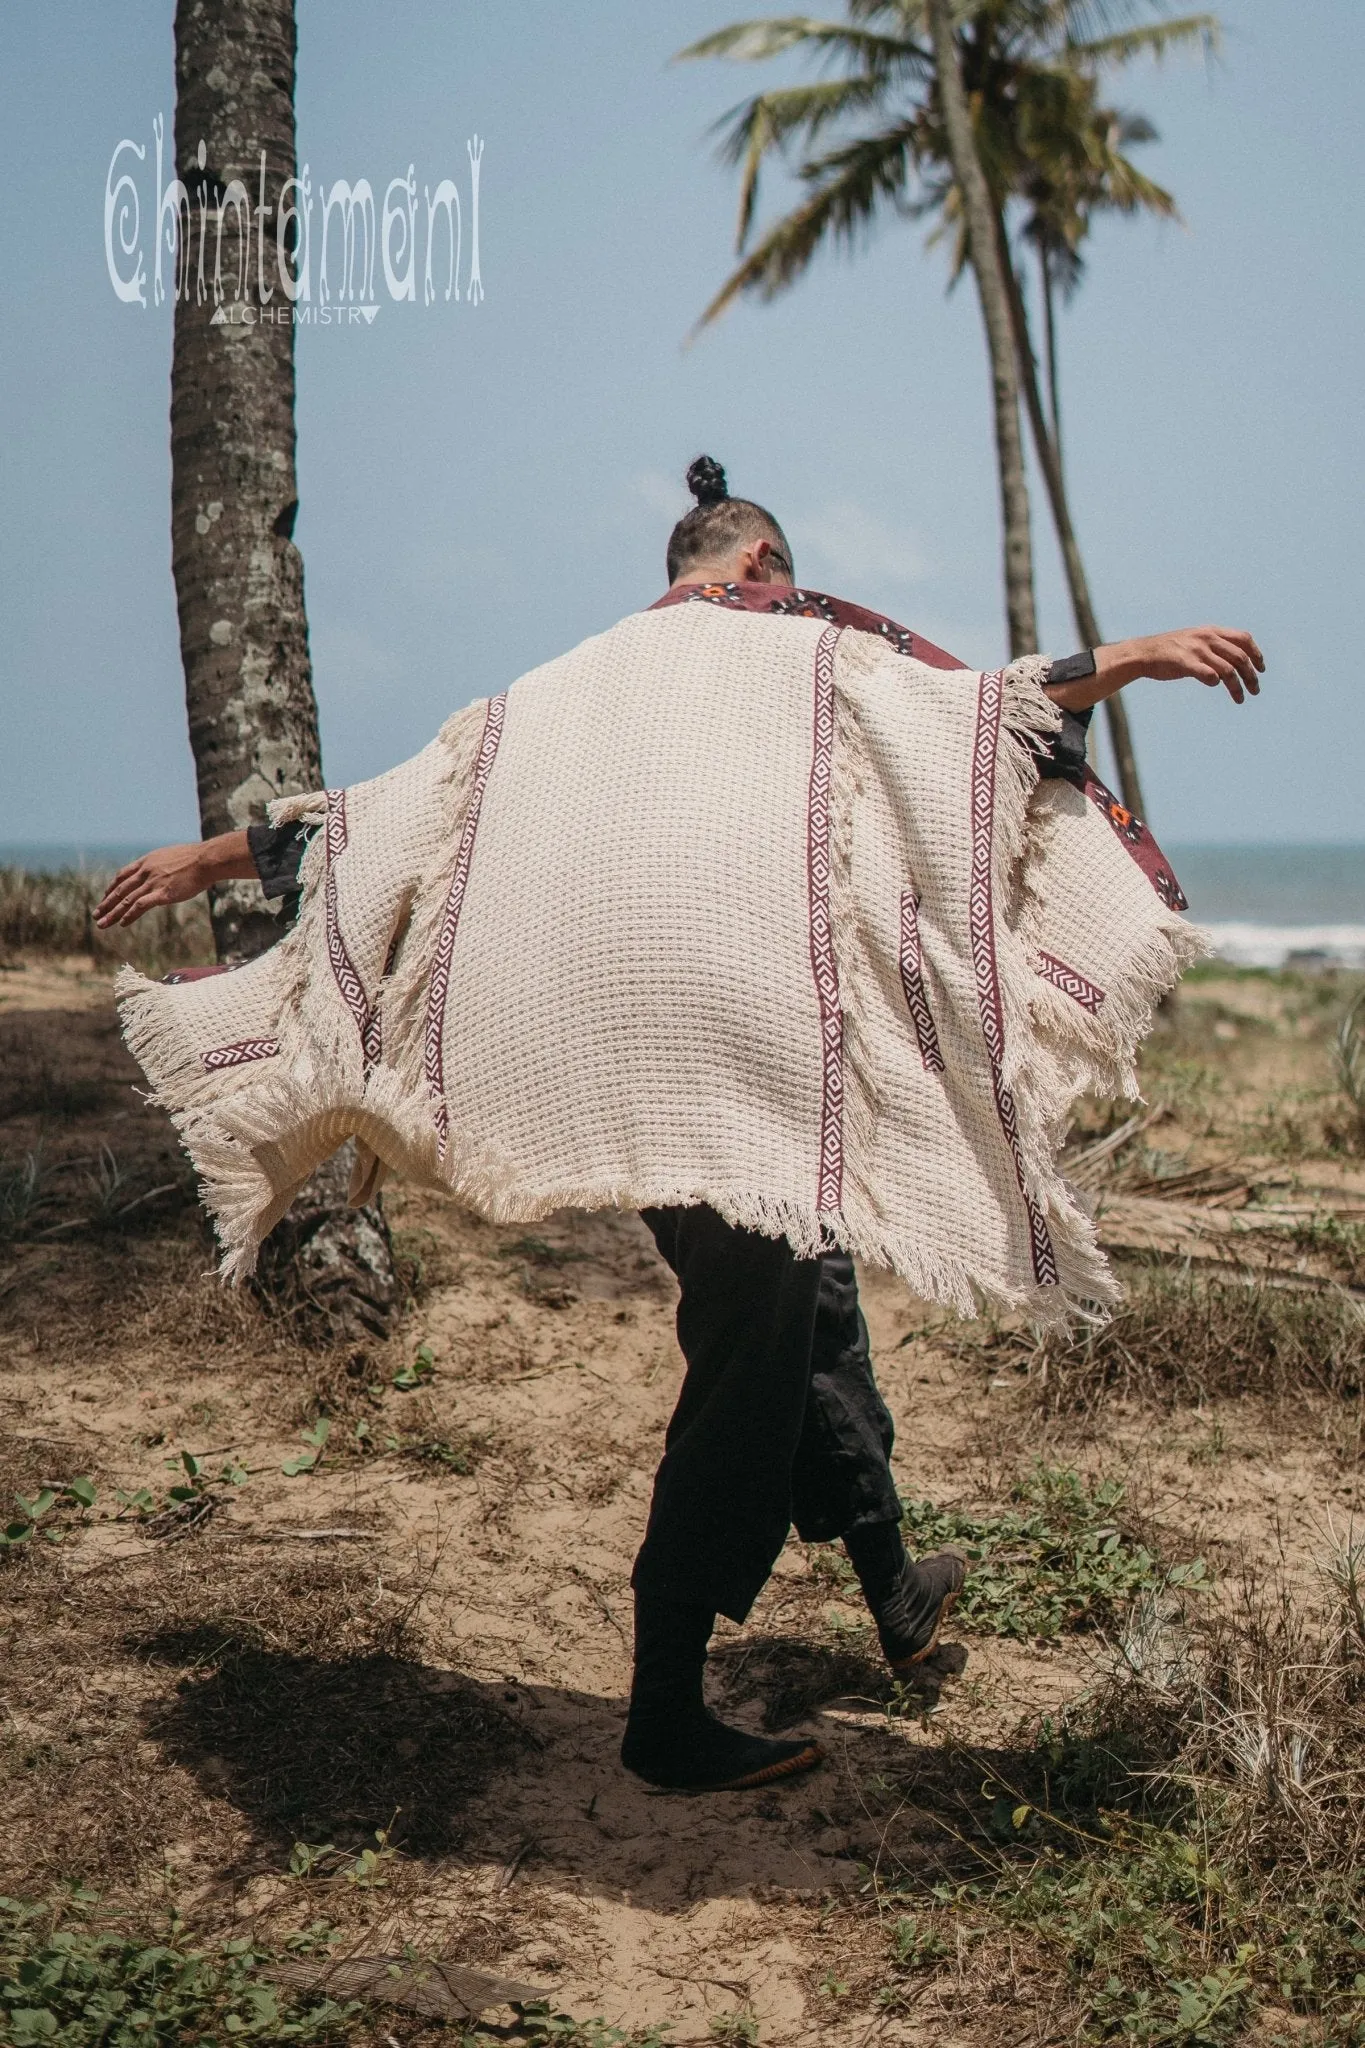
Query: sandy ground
column 489, row 1607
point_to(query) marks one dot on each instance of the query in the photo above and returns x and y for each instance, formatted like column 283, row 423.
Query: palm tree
column 253, row 717
column 989, row 259
column 1028, row 69
column 238, row 576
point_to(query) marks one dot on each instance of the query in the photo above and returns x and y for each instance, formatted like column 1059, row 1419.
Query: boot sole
column 770, row 1774
column 904, row 1665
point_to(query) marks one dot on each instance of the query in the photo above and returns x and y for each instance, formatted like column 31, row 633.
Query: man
column 779, row 1418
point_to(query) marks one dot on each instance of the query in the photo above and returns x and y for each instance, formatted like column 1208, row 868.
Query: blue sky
column 482, row 485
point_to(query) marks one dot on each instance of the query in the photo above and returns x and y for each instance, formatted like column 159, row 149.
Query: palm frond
column 1153, row 39
column 1128, row 191
column 751, row 42
column 851, row 184
column 764, row 124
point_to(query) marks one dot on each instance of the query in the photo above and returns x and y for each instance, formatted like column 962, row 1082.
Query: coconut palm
column 253, row 718
column 984, row 248
column 1028, row 70
column 238, row 576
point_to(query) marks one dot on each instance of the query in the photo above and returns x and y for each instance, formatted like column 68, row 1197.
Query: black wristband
column 1073, row 668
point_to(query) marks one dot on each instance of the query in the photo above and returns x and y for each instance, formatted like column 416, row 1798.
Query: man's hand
column 172, row 875
column 1208, row 654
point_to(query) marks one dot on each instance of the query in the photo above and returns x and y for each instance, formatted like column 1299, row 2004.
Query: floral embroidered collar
column 799, row 603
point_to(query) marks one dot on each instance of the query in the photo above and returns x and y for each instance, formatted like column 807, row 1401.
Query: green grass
column 1059, row 1558
column 68, row 1983
column 1177, row 1859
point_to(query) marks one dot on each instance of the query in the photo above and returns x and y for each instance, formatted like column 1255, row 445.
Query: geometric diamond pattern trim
column 824, row 967
column 239, row 1054
column 912, row 982
column 1071, row 982
column 982, row 916
column 352, row 989
column 439, row 985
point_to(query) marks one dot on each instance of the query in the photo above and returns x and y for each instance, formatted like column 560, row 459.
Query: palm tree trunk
column 1054, row 396
column 238, row 576
column 979, row 215
column 1049, row 461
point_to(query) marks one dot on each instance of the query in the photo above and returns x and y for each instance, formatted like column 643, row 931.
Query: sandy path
column 556, row 1367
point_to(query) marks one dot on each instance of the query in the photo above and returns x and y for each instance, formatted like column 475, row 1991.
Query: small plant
column 1342, row 1243
column 76, row 1493
column 307, row 1858
column 459, row 1454
column 1059, row 1560
column 65, row 1982
column 23, row 1193
column 107, row 1187
column 309, row 1459
column 185, row 1505
column 537, row 1251
column 369, row 1872
column 737, row 2029
column 419, row 1374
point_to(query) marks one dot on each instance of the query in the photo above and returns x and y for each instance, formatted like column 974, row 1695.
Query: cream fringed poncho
column 719, row 907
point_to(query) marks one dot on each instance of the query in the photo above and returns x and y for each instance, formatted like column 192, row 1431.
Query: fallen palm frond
column 1298, row 1245
column 427, row 1985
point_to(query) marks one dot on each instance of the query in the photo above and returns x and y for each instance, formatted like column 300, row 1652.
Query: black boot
column 671, row 1740
column 909, row 1602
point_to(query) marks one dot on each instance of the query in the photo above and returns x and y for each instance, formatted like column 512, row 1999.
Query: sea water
column 1267, row 906
column 1277, row 906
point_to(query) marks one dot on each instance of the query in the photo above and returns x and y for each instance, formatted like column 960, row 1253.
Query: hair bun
column 706, row 481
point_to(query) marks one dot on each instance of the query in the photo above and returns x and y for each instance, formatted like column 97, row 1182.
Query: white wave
column 1288, row 945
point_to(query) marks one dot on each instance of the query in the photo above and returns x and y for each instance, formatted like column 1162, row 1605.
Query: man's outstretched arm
column 172, row 874
column 1207, row 654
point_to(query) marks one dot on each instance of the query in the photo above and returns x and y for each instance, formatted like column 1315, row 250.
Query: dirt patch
column 415, row 1644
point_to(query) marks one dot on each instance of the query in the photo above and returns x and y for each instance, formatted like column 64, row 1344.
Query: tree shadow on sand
column 327, row 1749
column 317, row 1749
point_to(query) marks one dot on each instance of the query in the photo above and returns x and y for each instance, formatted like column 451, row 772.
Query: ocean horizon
column 1266, row 904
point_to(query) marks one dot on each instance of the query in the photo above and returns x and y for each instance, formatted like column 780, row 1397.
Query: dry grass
column 1176, row 1859
column 271, row 1697
column 1183, row 1338
column 178, row 1716
column 55, row 914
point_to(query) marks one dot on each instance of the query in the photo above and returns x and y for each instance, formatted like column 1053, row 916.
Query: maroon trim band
column 793, row 602
column 912, row 981
column 824, row 967
column 239, row 1054
column 439, row 986
column 1138, row 841
column 365, row 1013
column 1071, row 982
column 989, row 703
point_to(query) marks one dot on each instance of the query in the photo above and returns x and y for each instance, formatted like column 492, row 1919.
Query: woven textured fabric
column 718, row 907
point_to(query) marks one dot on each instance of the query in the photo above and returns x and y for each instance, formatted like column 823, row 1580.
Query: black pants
column 779, row 1419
